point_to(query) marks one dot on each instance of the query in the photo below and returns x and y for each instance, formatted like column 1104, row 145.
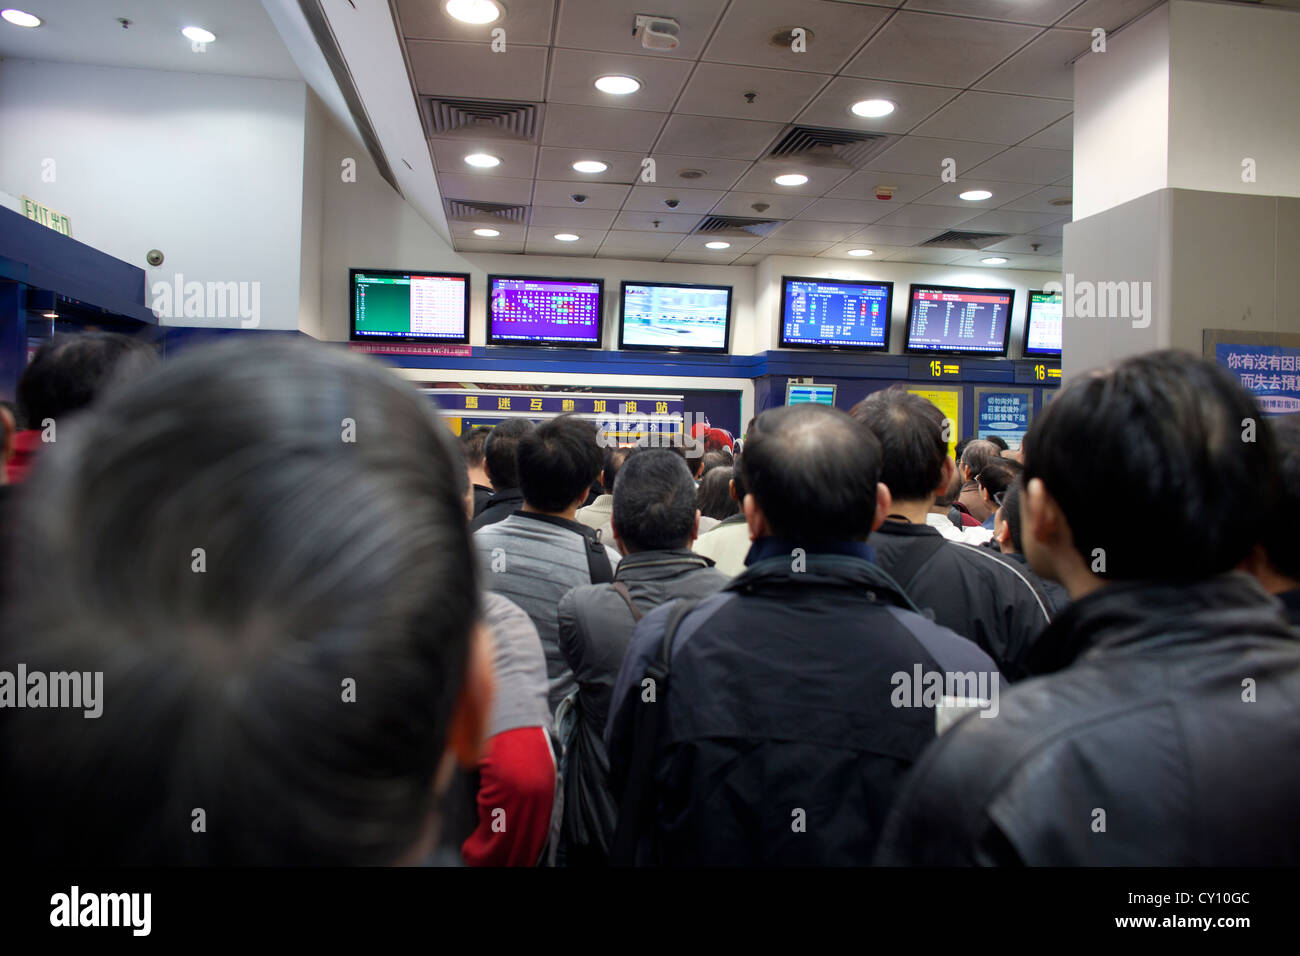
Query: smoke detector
column 885, row 192
column 657, row 33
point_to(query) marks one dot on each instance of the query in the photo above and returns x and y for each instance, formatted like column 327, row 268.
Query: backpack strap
column 916, row 557
column 626, row 595
column 598, row 567
column 635, row 809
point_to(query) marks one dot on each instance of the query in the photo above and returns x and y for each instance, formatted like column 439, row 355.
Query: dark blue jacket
column 781, row 743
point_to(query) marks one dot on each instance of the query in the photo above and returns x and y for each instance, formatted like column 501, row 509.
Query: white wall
column 207, row 168
column 316, row 123
column 1121, row 117
column 1235, row 79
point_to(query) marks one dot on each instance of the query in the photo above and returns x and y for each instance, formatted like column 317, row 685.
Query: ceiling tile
column 774, row 246
column 907, row 188
column 607, row 24
column 1040, row 12
column 1054, row 231
column 622, row 129
column 821, row 231
column 993, row 117
column 1013, row 262
column 668, row 222
column 510, row 232
column 713, row 136
column 542, row 241
column 1110, row 15
column 915, row 214
column 571, row 217
column 640, row 255
column 949, row 193
column 473, row 71
column 665, row 242
column 938, row 50
column 861, row 211
column 778, row 207
column 718, row 173
column 556, row 164
column 656, row 198
column 485, row 188
column 820, row 180
column 719, row 90
column 1043, row 68
column 749, row 259
column 518, row 160
column 1024, row 245
column 1004, row 220
column 574, row 73
column 912, row 104
column 841, row 251
column 935, row 257
column 1023, row 164
column 515, row 247
column 836, row 30
column 894, row 235
column 599, row 195
column 924, row 156
column 524, row 23
column 1060, row 135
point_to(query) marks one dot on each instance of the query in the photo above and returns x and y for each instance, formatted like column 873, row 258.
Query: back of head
column 978, row 453
column 654, row 501
column 713, row 459
column 1191, row 473
column 714, row 497
column 1011, row 515
column 475, row 444
column 999, row 442
column 911, row 434
column 813, row 471
column 69, row 371
column 1283, row 529
column 558, row 461
column 501, row 452
column 996, row 477
column 232, row 556
column 614, row 458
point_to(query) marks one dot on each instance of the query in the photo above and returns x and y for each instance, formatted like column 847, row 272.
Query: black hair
column 996, row 476
column 654, row 501
column 999, row 441
column 1011, row 514
column 813, row 471
column 713, row 459
column 960, row 447
column 714, row 498
column 475, row 443
column 71, row 369
column 558, row 461
column 910, row 430
column 1282, row 537
column 1185, row 448
column 978, row 453
column 738, row 480
column 501, row 453
column 614, row 458
column 234, row 541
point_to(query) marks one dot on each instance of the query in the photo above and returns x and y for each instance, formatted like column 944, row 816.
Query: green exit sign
column 46, row 216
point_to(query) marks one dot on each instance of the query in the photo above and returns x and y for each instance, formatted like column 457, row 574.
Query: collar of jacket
column 505, row 494
column 849, row 564
column 656, row 565
column 891, row 526
column 1148, row 615
column 603, row 504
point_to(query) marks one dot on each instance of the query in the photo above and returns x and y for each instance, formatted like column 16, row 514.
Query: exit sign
column 934, row 368
column 46, row 216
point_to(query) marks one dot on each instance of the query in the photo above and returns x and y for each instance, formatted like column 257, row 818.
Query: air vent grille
column 472, row 210
column 956, row 239
column 505, row 120
column 736, row 224
column 852, row 146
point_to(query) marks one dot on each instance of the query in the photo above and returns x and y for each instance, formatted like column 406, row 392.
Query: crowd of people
column 318, row 628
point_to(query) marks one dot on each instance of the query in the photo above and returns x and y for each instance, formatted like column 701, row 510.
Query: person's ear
column 469, row 719
column 1002, row 532
column 7, row 428
column 884, row 501
column 755, row 518
column 731, row 490
column 695, row 528
column 618, row 538
column 946, row 474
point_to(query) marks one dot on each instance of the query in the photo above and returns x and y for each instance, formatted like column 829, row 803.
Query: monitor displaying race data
column 954, row 319
column 1043, row 325
column 669, row 317
column 532, row 310
column 834, row 313
column 410, row 306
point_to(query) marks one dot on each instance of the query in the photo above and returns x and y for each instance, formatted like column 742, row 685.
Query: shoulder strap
column 598, row 566
column 626, row 595
column 635, row 809
column 916, row 557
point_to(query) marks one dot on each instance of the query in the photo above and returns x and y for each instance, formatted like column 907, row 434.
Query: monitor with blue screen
column 959, row 320
column 796, row 394
column 835, row 313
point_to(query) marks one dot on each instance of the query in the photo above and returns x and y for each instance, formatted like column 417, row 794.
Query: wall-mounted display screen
column 671, row 317
column 835, row 313
column 533, row 310
column 1043, row 325
column 409, row 306
column 959, row 320
column 817, row 394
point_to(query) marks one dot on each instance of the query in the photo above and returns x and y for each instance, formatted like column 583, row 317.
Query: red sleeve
column 515, row 797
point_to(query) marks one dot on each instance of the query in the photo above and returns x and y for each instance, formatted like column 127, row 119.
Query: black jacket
column 1170, row 741
column 596, row 625
column 1053, row 595
column 971, row 590
column 780, row 743
column 482, row 495
column 500, row 506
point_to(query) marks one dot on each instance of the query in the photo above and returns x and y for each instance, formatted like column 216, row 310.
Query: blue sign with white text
column 1269, row 372
column 1005, row 414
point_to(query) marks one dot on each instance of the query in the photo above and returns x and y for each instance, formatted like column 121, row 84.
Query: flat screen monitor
column 1043, row 325
column 392, row 306
column 817, row 394
column 958, row 320
column 535, row 310
column 675, row 317
column 835, row 313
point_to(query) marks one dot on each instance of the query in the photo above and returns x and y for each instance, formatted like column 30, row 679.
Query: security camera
column 578, row 197
column 672, row 203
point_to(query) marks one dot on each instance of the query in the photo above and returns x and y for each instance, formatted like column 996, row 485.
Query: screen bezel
column 908, row 348
column 1029, row 308
column 833, row 386
column 836, row 347
column 690, row 349
column 354, row 336
column 490, row 339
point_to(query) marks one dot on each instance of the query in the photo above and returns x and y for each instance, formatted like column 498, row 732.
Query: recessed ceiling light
column 791, row 179
column 20, row 18
column 717, row 245
column 566, row 237
column 482, row 160
column 618, row 85
column 994, row 260
column 50, row 315
column 590, row 166
column 487, row 233
column 859, row 252
column 975, row 195
column 872, row 108
column 198, row 35
column 473, row 11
